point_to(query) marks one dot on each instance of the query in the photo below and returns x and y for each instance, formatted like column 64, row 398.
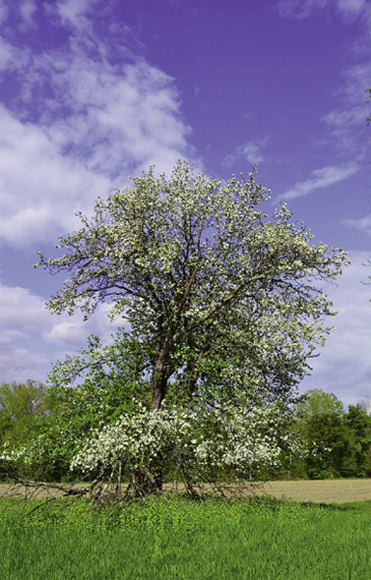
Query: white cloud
column 30, row 334
column 250, row 151
column 300, row 9
column 20, row 309
column 27, row 10
column 102, row 124
column 6, row 54
column 347, row 123
column 72, row 11
column 3, row 11
column 363, row 224
column 119, row 118
column 40, row 189
column 73, row 331
column 344, row 366
column 351, row 5
column 320, row 178
column 21, row 314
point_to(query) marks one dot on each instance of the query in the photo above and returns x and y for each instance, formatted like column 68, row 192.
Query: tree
column 318, row 418
column 223, row 314
column 359, row 427
column 24, row 410
column 316, row 402
column 21, row 405
column 220, row 298
column 327, row 434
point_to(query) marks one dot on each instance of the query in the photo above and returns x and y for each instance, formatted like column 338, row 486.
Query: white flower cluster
column 27, row 455
column 238, row 438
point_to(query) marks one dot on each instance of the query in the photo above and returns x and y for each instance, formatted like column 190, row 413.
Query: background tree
column 24, row 410
column 219, row 297
column 316, row 402
column 357, row 461
column 318, row 418
column 326, row 433
column 340, row 442
column 22, row 405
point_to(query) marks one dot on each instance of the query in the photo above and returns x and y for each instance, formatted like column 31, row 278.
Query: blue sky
column 94, row 92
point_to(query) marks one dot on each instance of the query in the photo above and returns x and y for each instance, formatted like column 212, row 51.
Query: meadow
column 261, row 538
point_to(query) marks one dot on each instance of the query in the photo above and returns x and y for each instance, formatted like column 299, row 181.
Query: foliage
column 24, row 411
column 341, row 441
column 109, row 378
column 357, row 461
column 327, row 434
column 219, row 297
column 315, row 402
column 195, row 444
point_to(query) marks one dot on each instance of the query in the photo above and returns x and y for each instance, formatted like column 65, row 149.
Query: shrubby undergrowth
column 194, row 445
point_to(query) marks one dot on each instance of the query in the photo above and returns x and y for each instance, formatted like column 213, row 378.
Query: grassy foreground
column 260, row 539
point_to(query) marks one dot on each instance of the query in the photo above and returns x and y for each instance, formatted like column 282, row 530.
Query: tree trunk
column 159, row 376
column 159, row 379
column 147, row 483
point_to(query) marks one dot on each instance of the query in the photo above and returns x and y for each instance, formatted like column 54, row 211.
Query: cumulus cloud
column 6, row 54
column 119, row 118
column 250, row 151
column 80, row 132
column 40, row 189
column 3, row 11
column 351, row 5
column 21, row 314
column 347, row 123
column 300, row 9
column 30, row 334
column 320, row 178
column 21, row 310
column 73, row 331
column 27, row 10
column 363, row 224
column 344, row 364
column 72, row 10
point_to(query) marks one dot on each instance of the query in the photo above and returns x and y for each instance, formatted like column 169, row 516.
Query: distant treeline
column 339, row 441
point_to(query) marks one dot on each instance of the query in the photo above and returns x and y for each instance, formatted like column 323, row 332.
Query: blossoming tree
column 220, row 298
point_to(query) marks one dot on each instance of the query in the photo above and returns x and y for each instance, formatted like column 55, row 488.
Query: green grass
column 262, row 539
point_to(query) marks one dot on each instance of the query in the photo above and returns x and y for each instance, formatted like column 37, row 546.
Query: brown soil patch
column 322, row 491
column 319, row 491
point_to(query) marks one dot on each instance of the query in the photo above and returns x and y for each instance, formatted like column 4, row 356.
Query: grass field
column 175, row 539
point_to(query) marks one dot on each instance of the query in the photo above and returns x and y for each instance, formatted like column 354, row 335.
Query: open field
column 320, row 491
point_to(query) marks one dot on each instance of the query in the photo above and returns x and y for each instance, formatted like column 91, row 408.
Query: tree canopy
column 318, row 402
column 220, row 299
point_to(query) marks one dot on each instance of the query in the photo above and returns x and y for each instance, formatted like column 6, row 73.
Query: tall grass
column 261, row 539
